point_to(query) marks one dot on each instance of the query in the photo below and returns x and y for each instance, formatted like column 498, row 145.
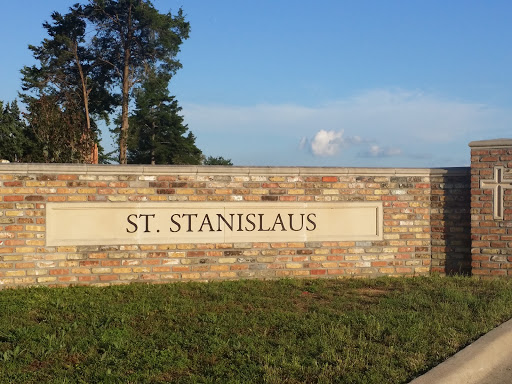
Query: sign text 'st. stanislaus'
column 215, row 222
column 193, row 222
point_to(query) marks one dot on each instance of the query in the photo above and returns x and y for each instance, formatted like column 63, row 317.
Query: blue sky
column 326, row 82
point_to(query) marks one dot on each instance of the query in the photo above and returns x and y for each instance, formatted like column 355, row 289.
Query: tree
column 132, row 38
column 157, row 133
column 210, row 160
column 59, row 90
column 12, row 129
column 52, row 134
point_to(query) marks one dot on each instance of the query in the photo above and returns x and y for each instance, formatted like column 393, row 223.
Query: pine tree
column 157, row 132
column 12, row 131
column 58, row 91
column 131, row 38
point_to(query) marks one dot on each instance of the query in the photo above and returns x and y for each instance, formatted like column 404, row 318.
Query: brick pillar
column 491, row 207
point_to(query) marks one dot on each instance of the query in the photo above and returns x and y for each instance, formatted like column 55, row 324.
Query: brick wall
column 451, row 221
column 426, row 223
column 491, row 207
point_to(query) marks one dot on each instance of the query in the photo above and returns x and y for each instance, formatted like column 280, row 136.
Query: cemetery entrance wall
column 107, row 224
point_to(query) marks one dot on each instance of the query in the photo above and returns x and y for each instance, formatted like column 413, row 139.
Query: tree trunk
column 153, row 145
column 85, row 93
column 89, row 153
column 123, row 136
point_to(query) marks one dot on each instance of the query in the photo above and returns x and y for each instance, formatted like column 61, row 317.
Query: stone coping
column 495, row 143
column 84, row 169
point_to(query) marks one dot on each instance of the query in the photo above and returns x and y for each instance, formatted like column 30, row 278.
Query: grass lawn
column 289, row 331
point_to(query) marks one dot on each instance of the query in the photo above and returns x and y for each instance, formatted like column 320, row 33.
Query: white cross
column 498, row 185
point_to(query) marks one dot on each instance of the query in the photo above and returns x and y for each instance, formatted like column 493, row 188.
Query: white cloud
column 327, row 143
column 378, row 151
column 372, row 113
column 356, row 140
column 397, row 122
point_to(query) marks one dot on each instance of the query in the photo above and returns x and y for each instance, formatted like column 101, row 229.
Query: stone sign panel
column 215, row 222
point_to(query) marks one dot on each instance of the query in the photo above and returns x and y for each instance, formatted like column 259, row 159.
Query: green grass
column 289, row 331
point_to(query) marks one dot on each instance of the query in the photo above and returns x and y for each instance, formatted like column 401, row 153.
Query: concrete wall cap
column 495, row 143
column 131, row 169
column 455, row 171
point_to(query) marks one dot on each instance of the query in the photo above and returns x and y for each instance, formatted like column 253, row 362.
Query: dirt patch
column 372, row 292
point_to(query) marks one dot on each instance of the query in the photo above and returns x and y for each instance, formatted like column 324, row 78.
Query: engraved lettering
column 135, row 226
column 147, row 220
column 250, row 222
column 189, row 215
column 312, row 222
column 240, row 222
column 279, row 221
column 206, row 220
column 178, row 225
column 261, row 224
column 221, row 218
column 301, row 222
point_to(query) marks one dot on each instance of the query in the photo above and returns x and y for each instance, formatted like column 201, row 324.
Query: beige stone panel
column 212, row 222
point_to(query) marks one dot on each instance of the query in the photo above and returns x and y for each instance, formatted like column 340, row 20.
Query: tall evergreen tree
column 64, row 77
column 157, row 132
column 12, row 131
column 94, row 59
column 131, row 38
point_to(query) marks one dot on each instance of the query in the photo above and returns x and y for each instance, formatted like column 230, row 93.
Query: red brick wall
column 425, row 223
column 491, row 237
column 451, row 221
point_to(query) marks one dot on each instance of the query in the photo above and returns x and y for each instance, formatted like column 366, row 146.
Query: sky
column 341, row 83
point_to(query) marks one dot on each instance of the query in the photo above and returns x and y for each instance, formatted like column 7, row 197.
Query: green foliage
column 210, row 160
column 12, row 132
column 289, row 331
column 132, row 39
column 80, row 73
column 136, row 29
column 157, row 132
column 58, row 91
column 96, row 58
column 52, row 136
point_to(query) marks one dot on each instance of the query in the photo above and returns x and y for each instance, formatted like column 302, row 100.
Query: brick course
column 425, row 215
